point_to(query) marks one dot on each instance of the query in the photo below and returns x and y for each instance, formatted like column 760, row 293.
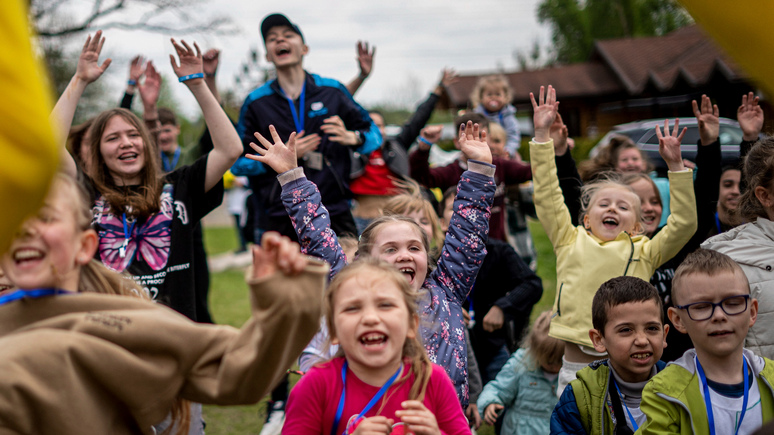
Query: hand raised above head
column 190, row 60
column 210, row 61
column 365, row 58
column 150, row 89
column 708, row 118
column 669, row 145
column 137, row 68
column 89, row 69
column 472, row 143
column 544, row 112
column 750, row 117
column 279, row 156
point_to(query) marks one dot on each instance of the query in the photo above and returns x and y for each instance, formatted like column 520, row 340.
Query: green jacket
column 673, row 400
column 584, row 262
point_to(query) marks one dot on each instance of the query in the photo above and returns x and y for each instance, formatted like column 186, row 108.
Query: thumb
column 291, row 143
column 106, row 64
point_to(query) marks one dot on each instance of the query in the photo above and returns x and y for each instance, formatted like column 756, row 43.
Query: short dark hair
column 476, row 118
column 618, row 291
column 167, row 116
column 705, row 262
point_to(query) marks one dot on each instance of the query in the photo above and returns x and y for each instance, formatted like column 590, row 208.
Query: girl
column 77, row 362
column 526, row 385
column 609, row 242
column 413, row 206
column 402, row 243
column 145, row 221
column 381, row 377
column 492, row 98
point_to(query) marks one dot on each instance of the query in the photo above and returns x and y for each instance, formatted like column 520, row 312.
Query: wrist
column 749, row 137
column 424, row 144
column 191, row 77
column 676, row 166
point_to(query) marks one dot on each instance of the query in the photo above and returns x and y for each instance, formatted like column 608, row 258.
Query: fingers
column 541, row 98
column 198, row 50
column 188, row 48
column 274, row 135
column 258, row 149
column 695, row 107
column 715, row 110
column 534, row 103
column 291, row 143
column 106, row 64
column 658, row 133
column 676, row 127
column 266, row 144
column 173, row 62
column 682, row 133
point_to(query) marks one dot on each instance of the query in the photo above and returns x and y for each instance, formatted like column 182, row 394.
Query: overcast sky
column 415, row 39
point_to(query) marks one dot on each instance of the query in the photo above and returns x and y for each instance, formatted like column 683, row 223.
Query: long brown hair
column 146, row 200
column 607, row 159
column 413, row 350
column 758, row 171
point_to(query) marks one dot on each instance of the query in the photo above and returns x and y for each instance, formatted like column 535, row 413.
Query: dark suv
column 643, row 133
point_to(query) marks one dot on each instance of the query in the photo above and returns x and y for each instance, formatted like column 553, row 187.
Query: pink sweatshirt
column 312, row 405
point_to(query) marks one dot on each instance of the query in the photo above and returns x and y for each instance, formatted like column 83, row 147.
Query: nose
column 27, row 228
column 640, row 339
column 370, row 316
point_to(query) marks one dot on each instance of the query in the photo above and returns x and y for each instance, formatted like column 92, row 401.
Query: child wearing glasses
column 719, row 387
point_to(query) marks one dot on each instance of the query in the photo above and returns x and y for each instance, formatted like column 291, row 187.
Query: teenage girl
column 77, row 362
column 402, row 243
column 609, row 242
column 381, row 378
column 145, row 219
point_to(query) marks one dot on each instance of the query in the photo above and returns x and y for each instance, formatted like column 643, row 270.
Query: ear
column 666, row 331
column 413, row 326
column 305, row 50
column 675, row 316
column 598, row 340
column 637, row 228
column 89, row 241
column 764, row 196
column 753, row 311
column 586, row 222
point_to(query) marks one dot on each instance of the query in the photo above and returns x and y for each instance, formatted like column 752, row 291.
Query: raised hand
column 448, row 77
column 432, row 134
column 418, row 419
column 277, row 253
column 337, row 132
column 558, row 132
column 472, row 143
column 669, row 145
column 150, row 89
column 279, row 156
column 89, row 69
column 137, row 68
column 190, row 61
column 750, row 117
column 365, row 58
column 210, row 61
column 305, row 144
column 709, row 120
column 544, row 112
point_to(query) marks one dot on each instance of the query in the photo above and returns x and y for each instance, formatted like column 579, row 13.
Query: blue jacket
column 324, row 98
column 591, row 389
column 528, row 396
column 445, row 288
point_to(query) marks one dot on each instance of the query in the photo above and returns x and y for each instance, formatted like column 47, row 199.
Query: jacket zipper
column 559, row 301
column 631, row 255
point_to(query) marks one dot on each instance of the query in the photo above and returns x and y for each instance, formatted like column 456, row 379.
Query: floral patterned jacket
column 445, row 288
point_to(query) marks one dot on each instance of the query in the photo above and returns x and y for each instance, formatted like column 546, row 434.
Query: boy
column 628, row 321
column 718, row 387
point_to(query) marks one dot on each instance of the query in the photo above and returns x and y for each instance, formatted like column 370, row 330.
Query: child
column 401, row 242
column 526, row 385
column 492, row 97
column 629, row 327
column 381, row 375
column 76, row 362
column 496, row 140
column 415, row 207
column 718, row 387
column 609, row 243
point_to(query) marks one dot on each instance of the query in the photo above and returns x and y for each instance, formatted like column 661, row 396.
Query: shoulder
column 675, row 378
column 321, row 376
column 259, row 93
column 592, row 378
column 325, row 83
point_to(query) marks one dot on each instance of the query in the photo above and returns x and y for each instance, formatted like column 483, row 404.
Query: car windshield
column 729, row 135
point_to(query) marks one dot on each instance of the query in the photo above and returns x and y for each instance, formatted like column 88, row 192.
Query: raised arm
column 87, row 71
column 211, row 59
column 136, row 71
column 226, row 141
column 413, row 127
column 709, row 163
column 750, row 117
column 365, row 60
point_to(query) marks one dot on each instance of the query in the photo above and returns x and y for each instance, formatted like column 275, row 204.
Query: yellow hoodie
column 584, row 262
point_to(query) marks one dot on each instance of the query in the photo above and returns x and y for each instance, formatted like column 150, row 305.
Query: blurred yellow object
column 740, row 28
column 29, row 152
column 228, row 180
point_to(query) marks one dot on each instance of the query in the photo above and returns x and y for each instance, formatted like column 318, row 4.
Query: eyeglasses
column 731, row 305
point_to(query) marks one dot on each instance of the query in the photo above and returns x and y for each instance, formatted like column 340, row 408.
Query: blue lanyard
column 127, row 235
column 31, row 294
column 708, row 400
column 165, row 160
column 370, row 404
column 298, row 115
column 635, row 426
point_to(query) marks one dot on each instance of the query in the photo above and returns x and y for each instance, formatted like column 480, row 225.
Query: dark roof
column 625, row 65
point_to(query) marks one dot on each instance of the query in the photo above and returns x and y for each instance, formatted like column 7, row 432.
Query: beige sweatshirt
column 99, row 364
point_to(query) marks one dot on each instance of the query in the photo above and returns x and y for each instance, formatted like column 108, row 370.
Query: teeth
column 641, row 355
column 372, row 338
column 26, row 254
column 127, row 156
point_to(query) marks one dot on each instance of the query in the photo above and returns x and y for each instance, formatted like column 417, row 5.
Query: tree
column 57, row 18
column 576, row 24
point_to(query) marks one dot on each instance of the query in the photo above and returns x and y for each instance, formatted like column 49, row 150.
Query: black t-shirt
column 159, row 254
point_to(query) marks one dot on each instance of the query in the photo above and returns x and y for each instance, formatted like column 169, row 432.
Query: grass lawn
column 229, row 305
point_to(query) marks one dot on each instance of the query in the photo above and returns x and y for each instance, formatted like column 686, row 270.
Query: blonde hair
column 608, row 180
column 498, row 81
column 607, row 159
column 495, row 129
column 542, row 349
column 368, row 236
column 405, row 203
column 413, row 350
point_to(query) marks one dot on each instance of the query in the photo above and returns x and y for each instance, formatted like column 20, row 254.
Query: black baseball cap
column 275, row 20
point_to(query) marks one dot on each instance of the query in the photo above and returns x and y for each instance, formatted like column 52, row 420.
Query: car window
column 691, row 136
column 730, row 135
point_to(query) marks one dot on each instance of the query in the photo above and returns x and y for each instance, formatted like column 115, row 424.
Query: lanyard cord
column 298, row 115
column 31, row 294
column 127, row 229
column 370, row 404
column 165, row 160
column 635, row 426
column 708, row 400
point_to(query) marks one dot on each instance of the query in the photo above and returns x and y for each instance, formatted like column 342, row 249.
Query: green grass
column 229, row 305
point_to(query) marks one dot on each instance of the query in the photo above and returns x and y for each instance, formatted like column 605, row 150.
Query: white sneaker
column 276, row 420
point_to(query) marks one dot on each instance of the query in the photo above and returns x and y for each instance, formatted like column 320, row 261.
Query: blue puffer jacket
column 528, row 396
column 445, row 288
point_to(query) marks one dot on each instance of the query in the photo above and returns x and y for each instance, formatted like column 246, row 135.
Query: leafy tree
column 576, row 24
